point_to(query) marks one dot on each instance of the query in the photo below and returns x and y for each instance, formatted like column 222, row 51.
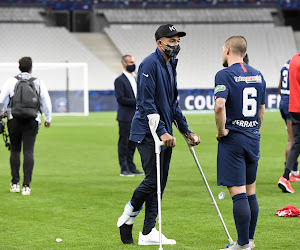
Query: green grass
column 78, row 195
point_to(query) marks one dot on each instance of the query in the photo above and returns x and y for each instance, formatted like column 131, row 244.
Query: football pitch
column 78, row 195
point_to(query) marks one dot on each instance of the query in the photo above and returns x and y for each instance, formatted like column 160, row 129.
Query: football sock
column 295, row 168
column 286, row 174
column 254, row 214
column 242, row 216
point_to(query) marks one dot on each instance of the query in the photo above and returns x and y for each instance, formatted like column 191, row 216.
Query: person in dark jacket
column 157, row 94
column 125, row 91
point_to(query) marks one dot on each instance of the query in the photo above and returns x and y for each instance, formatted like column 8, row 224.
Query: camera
column 4, row 134
column 2, row 127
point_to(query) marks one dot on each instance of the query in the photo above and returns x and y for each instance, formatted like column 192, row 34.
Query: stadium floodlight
column 153, row 123
column 207, row 186
column 67, row 83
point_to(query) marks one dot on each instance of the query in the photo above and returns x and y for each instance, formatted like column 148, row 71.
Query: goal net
column 67, row 84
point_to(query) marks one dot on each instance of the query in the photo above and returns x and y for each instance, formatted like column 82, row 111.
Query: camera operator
column 23, row 131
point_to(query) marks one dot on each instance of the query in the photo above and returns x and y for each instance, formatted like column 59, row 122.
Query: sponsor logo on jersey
column 248, row 79
column 245, row 124
column 219, row 88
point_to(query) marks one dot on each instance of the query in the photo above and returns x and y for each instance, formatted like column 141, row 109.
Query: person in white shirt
column 125, row 92
column 22, row 132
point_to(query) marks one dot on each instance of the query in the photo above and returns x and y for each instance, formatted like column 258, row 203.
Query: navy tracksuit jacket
column 155, row 94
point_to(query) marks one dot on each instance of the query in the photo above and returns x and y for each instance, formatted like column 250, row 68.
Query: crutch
column 153, row 123
column 207, row 186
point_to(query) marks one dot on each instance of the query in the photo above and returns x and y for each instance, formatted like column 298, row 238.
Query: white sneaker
column 15, row 188
column 153, row 239
column 251, row 243
column 236, row 246
column 26, row 191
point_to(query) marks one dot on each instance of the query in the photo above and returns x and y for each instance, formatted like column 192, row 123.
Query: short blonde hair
column 237, row 44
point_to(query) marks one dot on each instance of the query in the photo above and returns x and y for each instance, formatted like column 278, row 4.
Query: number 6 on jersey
column 249, row 103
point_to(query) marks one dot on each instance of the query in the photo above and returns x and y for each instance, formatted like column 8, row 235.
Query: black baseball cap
column 168, row 30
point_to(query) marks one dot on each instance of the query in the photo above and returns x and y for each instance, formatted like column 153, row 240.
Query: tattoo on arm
column 260, row 120
column 261, row 116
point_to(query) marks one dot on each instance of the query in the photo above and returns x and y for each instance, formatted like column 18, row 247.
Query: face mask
column 171, row 51
column 130, row 68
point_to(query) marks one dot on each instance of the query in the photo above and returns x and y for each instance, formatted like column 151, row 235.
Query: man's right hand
column 3, row 115
column 47, row 124
column 168, row 140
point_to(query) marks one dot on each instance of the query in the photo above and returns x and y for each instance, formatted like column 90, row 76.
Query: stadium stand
column 289, row 4
column 90, row 5
column 25, row 15
column 148, row 16
column 51, row 44
column 132, row 31
column 130, row 27
column 200, row 57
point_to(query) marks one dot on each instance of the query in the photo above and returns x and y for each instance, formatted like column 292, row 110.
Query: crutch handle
column 153, row 124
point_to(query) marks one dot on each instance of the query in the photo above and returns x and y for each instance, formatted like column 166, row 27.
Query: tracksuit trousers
column 147, row 190
column 22, row 132
column 295, row 150
column 126, row 148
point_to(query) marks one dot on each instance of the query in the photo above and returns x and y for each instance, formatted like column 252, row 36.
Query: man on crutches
column 156, row 94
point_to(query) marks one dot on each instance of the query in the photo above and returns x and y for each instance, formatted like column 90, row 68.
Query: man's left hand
column 194, row 139
column 222, row 134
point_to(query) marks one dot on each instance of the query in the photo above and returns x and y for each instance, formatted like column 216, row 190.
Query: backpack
column 25, row 103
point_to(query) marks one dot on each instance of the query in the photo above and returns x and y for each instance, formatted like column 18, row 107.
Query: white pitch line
column 83, row 124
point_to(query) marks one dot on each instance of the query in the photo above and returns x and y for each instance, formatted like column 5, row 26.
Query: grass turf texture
column 78, row 195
